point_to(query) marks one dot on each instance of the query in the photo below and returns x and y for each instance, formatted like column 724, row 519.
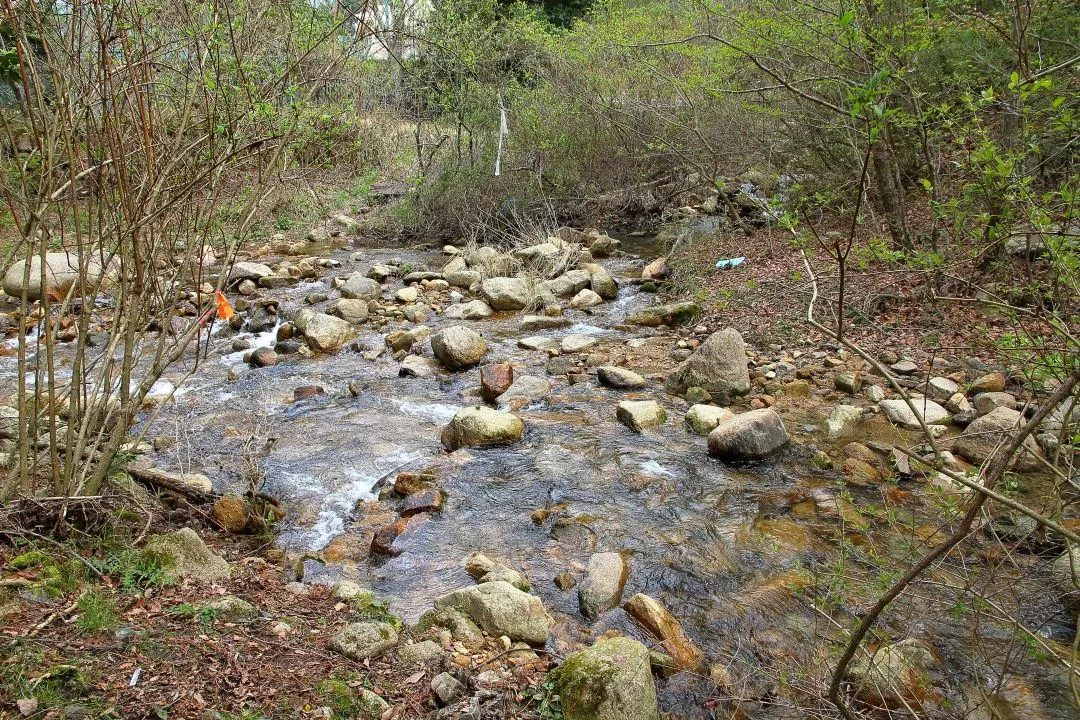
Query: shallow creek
column 696, row 532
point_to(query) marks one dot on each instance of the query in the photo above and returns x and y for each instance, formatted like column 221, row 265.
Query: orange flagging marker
column 224, row 309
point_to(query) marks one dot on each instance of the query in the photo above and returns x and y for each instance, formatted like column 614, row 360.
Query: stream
column 726, row 549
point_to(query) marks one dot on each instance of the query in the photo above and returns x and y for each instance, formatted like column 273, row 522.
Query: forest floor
column 112, row 637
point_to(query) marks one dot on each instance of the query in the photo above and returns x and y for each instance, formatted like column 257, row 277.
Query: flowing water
column 726, row 549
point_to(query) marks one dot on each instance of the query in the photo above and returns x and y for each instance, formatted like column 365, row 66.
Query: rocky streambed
column 535, row 421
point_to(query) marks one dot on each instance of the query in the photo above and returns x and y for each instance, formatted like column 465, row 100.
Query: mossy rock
column 185, row 555
column 27, row 560
column 611, row 680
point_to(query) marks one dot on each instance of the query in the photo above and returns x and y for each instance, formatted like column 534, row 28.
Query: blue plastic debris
column 729, row 263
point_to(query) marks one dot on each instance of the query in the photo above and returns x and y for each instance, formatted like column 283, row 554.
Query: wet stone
column 620, row 378
column 640, row 415
column 389, row 539
column 409, row 483
column 495, row 379
column 422, row 501
column 565, row 581
column 307, row 391
column 263, row 357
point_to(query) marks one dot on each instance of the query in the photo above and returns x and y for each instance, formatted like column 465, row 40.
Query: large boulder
column 750, row 436
column 611, row 680
column 682, row 313
column 570, row 283
column 898, row 412
column 62, row 271
column 458, row 347
column 362, row 640
column 718, row 366
column 353, row 312
column 602, row 588
column 620, row 378
column 601, row 281
column 640, row 415
column 703, row 419
column 985, row 435
column 185, row 555
column 500, row 609
column 463, row 278
column 525, row 389
column 254, row 271
column 327, row 333
column 472, row 310
column 481, row 427
column 506, row 293
column 358, row 287
column 585, row 299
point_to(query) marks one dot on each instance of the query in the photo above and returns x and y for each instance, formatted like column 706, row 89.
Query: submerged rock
column 185, row 555
column 483, row 569
column 602, row 587
column 655, row 618
column 458, row 347
column 481, row 427
column 609, row 681
column 750, row 436
column 895, row 675
column 499, row 608
column 531, row 323
column 718, row 366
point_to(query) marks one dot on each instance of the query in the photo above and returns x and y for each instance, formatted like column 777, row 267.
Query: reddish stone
column 495, row 379
column 306, row 391
column 426, row 500
column 390, row 539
